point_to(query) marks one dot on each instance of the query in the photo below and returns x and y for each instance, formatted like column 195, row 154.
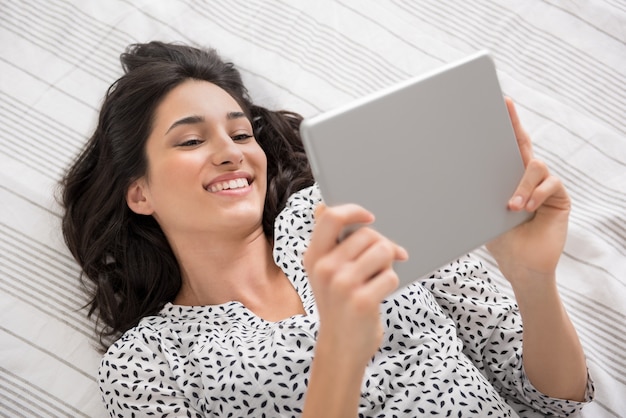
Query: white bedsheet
column 563, row 62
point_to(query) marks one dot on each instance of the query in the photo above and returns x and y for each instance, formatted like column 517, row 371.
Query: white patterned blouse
column 452, row 347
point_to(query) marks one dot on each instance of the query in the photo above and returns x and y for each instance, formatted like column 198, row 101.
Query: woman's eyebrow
column 188, row 120
column 235, row 115
column 193, row 119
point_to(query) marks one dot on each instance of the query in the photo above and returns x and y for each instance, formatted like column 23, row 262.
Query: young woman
column 195, row 217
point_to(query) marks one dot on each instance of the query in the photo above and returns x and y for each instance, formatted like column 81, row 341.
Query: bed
column 563, row 62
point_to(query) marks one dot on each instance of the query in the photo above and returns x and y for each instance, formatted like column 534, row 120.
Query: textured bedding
column 563, row 62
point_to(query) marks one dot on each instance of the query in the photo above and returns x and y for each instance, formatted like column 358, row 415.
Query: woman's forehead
column 196, row 98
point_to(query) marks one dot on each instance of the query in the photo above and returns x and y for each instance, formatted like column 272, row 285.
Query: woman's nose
column 226, row 151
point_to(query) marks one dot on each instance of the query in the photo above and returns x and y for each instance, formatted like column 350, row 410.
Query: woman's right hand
column 350, row 279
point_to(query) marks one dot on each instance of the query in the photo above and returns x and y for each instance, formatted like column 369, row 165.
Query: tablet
column 434, row 158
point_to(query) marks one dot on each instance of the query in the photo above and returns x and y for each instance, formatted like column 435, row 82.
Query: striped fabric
column 563, row 62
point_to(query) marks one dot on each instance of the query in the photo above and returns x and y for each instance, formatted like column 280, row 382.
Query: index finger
column 331, row 221
column 523, row 140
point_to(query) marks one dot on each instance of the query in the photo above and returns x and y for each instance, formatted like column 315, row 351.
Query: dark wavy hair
column 130, row 268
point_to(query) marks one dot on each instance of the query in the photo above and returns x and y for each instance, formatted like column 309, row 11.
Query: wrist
column 334, row 387
column 524, row 280
column 536, row 291
column 341, row 362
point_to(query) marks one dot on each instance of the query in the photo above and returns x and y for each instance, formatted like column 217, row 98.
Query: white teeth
column 230, row 184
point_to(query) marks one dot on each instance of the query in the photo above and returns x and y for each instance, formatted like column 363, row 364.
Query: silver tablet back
column 434, row 158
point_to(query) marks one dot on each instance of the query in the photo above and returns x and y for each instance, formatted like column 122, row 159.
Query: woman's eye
column 241, row 137
column 190, row 142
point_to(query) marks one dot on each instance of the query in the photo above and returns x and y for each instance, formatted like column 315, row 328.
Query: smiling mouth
column 229, row 185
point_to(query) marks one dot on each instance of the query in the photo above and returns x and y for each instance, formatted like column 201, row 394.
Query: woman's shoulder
column 175, row 327
column 151, row 331
column 146, row 334
column 137, row 349
column 297, row 215
column 304, row 199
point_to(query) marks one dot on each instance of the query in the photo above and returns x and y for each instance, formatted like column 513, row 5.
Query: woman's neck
column 240, row 270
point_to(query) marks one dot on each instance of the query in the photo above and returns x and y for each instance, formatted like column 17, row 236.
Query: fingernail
column 530, row 205
column 516, row 201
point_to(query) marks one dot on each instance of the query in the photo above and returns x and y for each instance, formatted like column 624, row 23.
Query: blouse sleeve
column 294, row 224
column 135, row 381
column 490, row 326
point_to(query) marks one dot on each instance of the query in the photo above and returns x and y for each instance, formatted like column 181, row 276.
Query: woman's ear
column 137, row 198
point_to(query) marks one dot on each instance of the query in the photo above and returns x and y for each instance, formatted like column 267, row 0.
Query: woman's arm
column 527, row 256
column 553, row 356
column 349, row 279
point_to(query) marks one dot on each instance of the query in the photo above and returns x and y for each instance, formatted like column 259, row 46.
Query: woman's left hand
column 533, row 248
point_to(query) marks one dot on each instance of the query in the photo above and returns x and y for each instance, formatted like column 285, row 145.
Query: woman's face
column 206, row 172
